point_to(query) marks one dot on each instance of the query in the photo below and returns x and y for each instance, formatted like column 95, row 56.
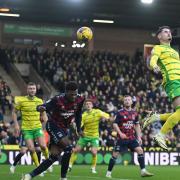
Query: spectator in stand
column 40, row 91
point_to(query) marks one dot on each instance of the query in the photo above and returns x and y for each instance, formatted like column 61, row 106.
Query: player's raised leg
column 153, row 117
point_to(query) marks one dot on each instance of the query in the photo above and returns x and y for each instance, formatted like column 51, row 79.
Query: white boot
column 145, row 173
column 26, row 177
column 160, row 140
column 93, row 170
column 12, row 169
column 42, row 174
column 108, row 174
column 50, row 169
column 150, row 119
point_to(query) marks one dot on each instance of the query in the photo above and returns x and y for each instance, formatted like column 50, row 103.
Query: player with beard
column 128, row 131
column 31, row 126
column 165, row 59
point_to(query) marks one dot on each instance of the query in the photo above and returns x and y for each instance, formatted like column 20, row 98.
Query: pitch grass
column 80, row 172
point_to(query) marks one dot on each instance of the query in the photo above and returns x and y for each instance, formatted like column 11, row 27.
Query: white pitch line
column 90, row 177
column 98, row 177
column 69, row 176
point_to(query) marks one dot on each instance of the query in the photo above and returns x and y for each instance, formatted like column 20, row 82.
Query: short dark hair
column 31, row 84
column 161, row 28
column 127, row 95
column 71, row 86
column 89, row 100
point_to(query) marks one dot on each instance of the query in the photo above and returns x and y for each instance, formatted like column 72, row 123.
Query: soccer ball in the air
column 84, row 34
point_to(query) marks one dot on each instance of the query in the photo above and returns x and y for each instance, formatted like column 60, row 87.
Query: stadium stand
column 105, row 77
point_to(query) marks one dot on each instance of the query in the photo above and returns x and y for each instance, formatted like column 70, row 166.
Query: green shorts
column 84, row 141
column 32, row 134
column 173, row 89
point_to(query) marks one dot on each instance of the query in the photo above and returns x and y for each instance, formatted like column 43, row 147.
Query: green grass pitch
column 82, row 172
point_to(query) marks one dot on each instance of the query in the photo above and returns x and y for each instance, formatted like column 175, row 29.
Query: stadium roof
column 125, row 13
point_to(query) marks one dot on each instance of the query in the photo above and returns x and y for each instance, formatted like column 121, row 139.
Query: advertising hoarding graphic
column 151, row 158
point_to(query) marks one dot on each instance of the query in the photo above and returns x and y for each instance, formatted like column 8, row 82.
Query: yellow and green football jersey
column 168, row 61
column 29, row 115
column 90, row 122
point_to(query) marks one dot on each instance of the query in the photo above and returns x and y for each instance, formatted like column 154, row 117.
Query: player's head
column 31, row 89
column 88, row 104
column 71, row 90
column 127, row 101
column 164, row 34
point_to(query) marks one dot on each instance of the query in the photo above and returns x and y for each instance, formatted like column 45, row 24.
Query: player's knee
column 32, row 149
column 43, row 147
column 115, row 154
column 23, row 152
column 139, row 151
column 113, row 159
column 37, row 149
column 94, row 152
column 77, row 149
column 53, row 157
column 68, row 148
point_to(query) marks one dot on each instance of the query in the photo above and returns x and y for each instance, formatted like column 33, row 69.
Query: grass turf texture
column 80, row 172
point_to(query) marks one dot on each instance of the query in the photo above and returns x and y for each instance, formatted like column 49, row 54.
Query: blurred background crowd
column 104, row 77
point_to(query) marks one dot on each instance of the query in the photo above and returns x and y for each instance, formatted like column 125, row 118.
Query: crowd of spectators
column 105, row 77
column 5, row 98
column 7, row 135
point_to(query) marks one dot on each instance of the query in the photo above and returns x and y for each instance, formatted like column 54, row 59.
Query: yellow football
column 84, row 34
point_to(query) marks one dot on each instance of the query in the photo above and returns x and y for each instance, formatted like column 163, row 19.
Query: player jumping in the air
column 165, row 59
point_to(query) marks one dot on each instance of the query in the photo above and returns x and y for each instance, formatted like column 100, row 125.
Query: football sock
column 39, row 155
column 73, row 159
column 65, row 163
column 45, row 153
column 141, row 161
column 17, row 158
column 35, row 158
column 171, row 122
column 111, row 163
column 44, row 165
column 94, row 160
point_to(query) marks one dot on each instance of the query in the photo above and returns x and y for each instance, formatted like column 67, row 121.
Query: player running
column 90, row 124
column 63, row 110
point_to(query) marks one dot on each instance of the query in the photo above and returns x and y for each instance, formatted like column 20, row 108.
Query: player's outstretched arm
column 47, row 106
column 153, row 63
column 41, row 108
column 43, row 117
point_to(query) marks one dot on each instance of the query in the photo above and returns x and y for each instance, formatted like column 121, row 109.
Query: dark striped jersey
column 126, row 121
column 63, row 112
